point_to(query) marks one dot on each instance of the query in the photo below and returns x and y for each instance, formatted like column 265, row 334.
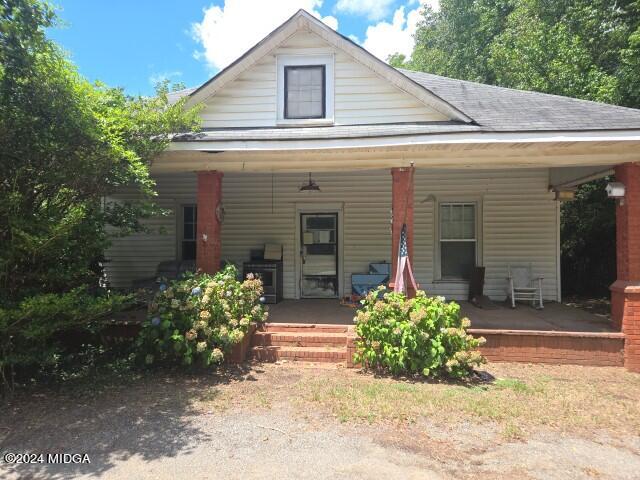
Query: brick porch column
column 208, row 248
column 402, row 211
column 625, row 291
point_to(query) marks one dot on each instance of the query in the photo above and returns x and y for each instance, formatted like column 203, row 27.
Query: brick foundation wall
column 239, row 352
column 625, row 308
column 574, row 348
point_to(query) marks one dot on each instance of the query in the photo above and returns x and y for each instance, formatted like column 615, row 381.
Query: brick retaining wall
column 577, row 348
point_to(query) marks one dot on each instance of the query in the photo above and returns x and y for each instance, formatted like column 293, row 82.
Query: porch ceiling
column 485, row 151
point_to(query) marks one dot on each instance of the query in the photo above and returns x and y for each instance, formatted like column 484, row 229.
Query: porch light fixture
column 310, row 187
column 565, row 195
column 615, row 190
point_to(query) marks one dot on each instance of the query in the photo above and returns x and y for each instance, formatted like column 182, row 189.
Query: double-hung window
column 189, row 229
column 304, row 91
column 458, row 240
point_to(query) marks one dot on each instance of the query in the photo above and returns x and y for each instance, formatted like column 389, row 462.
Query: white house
column 472, row 170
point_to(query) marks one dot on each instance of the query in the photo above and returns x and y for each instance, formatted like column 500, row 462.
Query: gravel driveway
column 173, row 426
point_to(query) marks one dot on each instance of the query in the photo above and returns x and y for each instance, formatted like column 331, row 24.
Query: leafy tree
column 65, row 146
column 586, row 49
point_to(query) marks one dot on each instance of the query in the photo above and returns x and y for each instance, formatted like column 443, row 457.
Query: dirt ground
column 294, row 422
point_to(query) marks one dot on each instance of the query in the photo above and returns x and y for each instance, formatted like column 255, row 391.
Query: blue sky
column 134, row 43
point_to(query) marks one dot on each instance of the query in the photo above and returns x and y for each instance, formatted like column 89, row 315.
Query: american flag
column 403, row 263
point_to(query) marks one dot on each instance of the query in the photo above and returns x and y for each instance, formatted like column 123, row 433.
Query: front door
column 319, row 255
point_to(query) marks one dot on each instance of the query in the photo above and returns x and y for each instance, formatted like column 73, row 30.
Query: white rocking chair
column 524, row 286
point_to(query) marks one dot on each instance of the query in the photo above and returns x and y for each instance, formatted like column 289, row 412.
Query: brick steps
column 305, row 354
column 300, row 342
column 306, row 327
column 298, row 339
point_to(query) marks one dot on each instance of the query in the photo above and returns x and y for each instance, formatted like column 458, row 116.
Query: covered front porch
column 490, row 202
column 515, row 219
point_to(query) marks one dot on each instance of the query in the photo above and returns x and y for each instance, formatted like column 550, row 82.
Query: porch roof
column 326, row 132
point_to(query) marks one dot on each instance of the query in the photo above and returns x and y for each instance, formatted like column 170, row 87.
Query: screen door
column 319, row 255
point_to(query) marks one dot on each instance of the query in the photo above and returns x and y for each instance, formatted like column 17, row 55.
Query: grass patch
column 513, row 432
column 512, row 384
column 521, row 398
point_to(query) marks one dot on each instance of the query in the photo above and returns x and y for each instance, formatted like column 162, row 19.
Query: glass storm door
column 319, row 255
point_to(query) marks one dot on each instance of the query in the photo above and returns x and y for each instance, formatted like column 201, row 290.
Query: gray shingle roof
column 506, row 109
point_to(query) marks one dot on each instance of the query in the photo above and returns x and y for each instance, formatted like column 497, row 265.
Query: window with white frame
column 458, row 240
column 305, row 89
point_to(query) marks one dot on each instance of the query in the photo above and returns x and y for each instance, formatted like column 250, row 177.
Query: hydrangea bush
column 199, row 318
column 422, row 335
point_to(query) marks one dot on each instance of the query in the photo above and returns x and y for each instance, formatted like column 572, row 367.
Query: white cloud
column 372, row 9
column 384, row 38
column 226, row 33
column 156, row 78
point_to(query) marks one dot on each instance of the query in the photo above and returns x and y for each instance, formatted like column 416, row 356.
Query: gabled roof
column 486, row 108
column 506, row 109
column 302, row 20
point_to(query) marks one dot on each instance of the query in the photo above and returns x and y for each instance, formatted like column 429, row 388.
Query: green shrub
column 35, row 333
column 199, row 318
column 422, row 335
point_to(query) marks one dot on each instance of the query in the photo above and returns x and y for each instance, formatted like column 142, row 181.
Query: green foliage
column 199, row 318
column 588, row 234
column 422, row 335
column 65, row 146
column 32, row 332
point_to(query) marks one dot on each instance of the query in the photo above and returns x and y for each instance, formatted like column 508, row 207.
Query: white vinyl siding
column 360, row 95
column 137, row 256
column 517, row 223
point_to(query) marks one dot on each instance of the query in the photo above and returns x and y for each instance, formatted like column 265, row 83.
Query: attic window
column 305, row 87
column 304, row 91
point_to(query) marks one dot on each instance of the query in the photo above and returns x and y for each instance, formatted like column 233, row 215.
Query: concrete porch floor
column 555, row 316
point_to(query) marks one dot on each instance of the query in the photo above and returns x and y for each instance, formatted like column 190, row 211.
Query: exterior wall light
column 616, row 190
column 565, row 195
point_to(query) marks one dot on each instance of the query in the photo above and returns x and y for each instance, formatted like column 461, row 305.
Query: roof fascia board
column 408, row 140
